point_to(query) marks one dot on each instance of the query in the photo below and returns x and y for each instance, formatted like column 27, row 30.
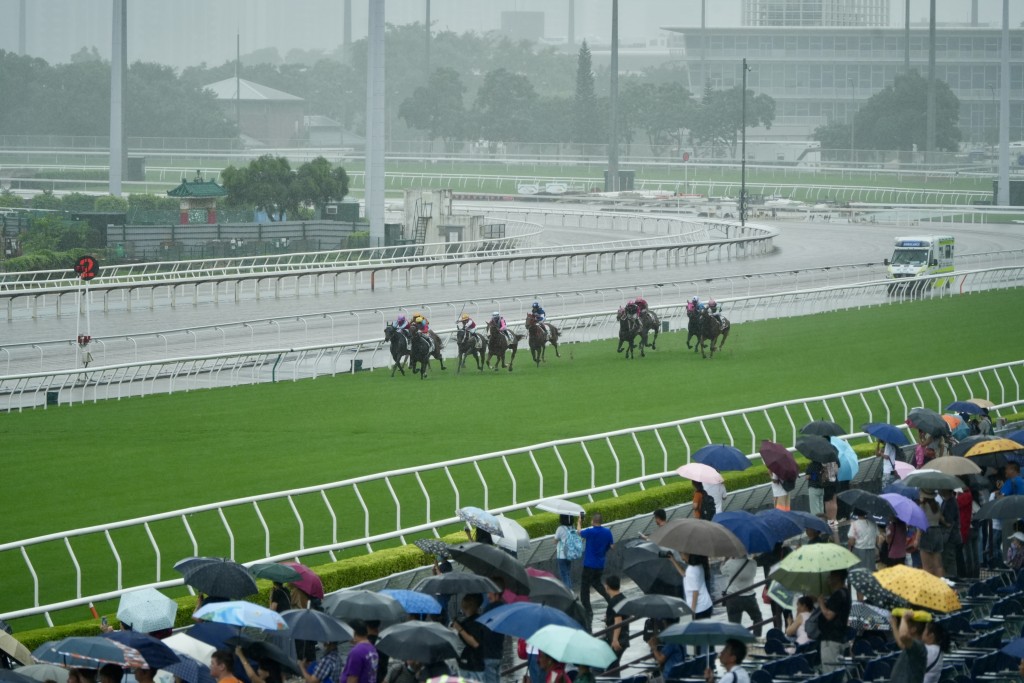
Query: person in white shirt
column 935, row 643
column 717, row 492
column 863, row 541
column 732, row 655
column 797, row 626
column 887, row 452
column 779, row 493
column 695, row 587
column 738, row 575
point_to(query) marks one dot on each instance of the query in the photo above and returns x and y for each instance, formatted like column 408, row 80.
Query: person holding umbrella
column 327, row 668
column 833, row 620
column 863, row 540
column 933, row 540
column 267, row 671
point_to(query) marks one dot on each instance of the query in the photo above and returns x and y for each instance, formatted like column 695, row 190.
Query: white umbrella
column 44, row 672
column 185, row 644
column 560, row 507
column 513, row 536
column 147, row 610
column 696, row 471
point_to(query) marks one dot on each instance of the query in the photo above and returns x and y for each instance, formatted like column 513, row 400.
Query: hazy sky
column 187, row 32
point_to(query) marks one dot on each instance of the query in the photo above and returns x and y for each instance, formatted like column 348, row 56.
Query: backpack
column 811, row 625
column 831, row 472
column 707, row 507
column 572, row 545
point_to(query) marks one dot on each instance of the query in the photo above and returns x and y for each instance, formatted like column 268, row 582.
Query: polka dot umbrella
column 919, row 588
column 867, row 585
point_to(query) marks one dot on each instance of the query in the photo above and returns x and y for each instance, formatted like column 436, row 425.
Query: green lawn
column 75, row 466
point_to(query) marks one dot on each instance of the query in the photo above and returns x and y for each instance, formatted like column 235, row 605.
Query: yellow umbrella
column 919, row 587
column 994, row 446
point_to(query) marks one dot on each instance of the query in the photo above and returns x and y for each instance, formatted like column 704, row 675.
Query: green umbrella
column 572, row 646
column 272, row 571
column 804, row 583
column 806, row 570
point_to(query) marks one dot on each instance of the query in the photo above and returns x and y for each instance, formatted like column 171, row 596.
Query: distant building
column 322, row 131
column 815, row 13
column 267, row 117
column 523, row 25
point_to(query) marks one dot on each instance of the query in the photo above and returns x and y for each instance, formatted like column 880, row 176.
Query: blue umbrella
column 705, row 633
column 965, row 407
column 886, row 432
column 848, row 465
column 156, row 654
column 722, row 457
column 755, row 536
column 808, row 521
column 781, row 523
column 1017, row 436
column 190, row 670
column 481, row 519
column 414, row 602
column 523, row 619
column 1015, row 648
column 910, row 492
column 213, row 633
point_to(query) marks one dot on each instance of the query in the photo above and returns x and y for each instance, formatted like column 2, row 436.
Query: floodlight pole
column 743, row 148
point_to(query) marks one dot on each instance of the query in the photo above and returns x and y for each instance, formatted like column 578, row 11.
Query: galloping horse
column 422, row 348
column 399, row 347
column 541, row 334
column 630, row 328
column 436, row 346
column 710, row 329
column 692, row 326
column 470, row 344
column 649, row 319
column 498, row 343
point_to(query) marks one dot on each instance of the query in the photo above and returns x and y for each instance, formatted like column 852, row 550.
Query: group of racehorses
column 497, row 344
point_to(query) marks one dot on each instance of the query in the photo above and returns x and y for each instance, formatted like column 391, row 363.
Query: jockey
column 631, row 308
column 641, row 305
column 499, row 321
column 538, row 312
column 421, row 323
column 713, row 309
column 401, row 323
column 694, row 304
column 466, row 323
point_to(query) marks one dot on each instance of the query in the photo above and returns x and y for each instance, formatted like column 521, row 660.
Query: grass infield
column 69, row 467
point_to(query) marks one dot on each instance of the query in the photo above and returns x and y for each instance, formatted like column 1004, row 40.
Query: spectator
column 598, row 541
column 816, row 488
column 895, row 544
column 717, row 492
column 667, row 655
column 493, row 642
column 697, row 505
column 910, row 666
column 984, row 423
column 814, row 536
column 554, row 671
column 968, row 558
column 952, row 551
column 660, row 517
column 770, row 563
column 383, row 660
column 731, row 656
column 562, row 533
column 1015, row 555
column 472, row 633
column 222, row 665
column 328, row 667
column 80, row 675
column 994, row 554
column 933, row 540
column 936, row 643
column 863, row 540
column 361, row 664
column 829, row 491
column 797, row 626
column 887, row 452
column 739, row 574
column 833, row 620
column 280, row 601
column 617, row 637
column 110, row 673
column 1013, row 485
column 780, row 495
column 695, row 587
column 267, row 671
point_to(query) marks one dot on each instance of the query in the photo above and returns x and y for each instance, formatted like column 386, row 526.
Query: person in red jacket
column 968, row 552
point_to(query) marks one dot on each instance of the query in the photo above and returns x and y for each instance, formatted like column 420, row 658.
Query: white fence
column 357, row 515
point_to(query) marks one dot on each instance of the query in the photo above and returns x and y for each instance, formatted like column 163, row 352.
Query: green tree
column 110, row 204
column 86, row 55
column 9, row 200
column 718, row 119
column 437, row 108
column 586, row 119
column 896, row 116
column 662, row 111
column 266, row 184
column 504, row 107
column 317, row 183
column 45, row 200
column 150, row 202
column 833, row 135
column 77, row 202
column 52, row 233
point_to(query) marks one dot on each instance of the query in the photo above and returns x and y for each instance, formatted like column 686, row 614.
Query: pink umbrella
column 904, row 468
column 510, row 597
column 309, row 583
column 696, row 471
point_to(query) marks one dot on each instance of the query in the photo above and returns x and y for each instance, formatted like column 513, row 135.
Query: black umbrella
column 817, row 448
column 546, row 590
column 823, row 428
column 865, row 583
column 309, row 624
column 362, row 604
column 261, row 649
column 928, row 421
column 156, row 654
column 932, row 479
column 217, row 576
column 1007, row 507
column 654, row 607
column 698, row 536
column 963, row 445
column 648, row 566
column 873, row 505
column 456, row 583
column 10, row 676
column 421, row 641
column 190, row 670
column 491, row 561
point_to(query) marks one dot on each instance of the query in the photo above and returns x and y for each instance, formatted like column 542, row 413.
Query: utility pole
column 1003, row 196
column 375, row 122
column 613, row 126
column 853, row 116
column 22, row 46
column 930, row 122
column 571, row 38
column 906, row 38
column 118, row 66
column 426, row 47
column 743, row 148
column 238, row 82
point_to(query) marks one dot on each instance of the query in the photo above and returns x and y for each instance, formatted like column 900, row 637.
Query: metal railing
column 363, row 513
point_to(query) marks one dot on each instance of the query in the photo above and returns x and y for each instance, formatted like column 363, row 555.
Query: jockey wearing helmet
column 641, row 305
column 538, row 312
column 499, row 321
column 421, row 323
column 401, row 323
column 466, row 323
column 694, row 304
column 713, row 309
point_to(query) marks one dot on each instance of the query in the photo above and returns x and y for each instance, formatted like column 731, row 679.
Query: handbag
column 811, row 626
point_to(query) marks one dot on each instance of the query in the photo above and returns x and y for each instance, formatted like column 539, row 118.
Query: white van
column 921, row 256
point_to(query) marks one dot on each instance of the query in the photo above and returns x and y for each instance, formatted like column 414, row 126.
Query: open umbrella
column 817, row 448
column 848, row 463
column 187, row 646
column 523, row 619
column 963, row 445
column 1014, row 648
column 560, row 507
column 813, row 563
column 705, row 633
column 456, row 583
column 779, row 460
column 906, row 510
column 366, row 605
column 146, row 610
column 414, row 602
column 932, row 479
column 695, row 471
column 919, row 588
column 865, row 617
column 822, row 428
column 310, row 583
column 1007, row 507
column 808, row 521
column 909, row 492
column 653, row 607
column 92, row 652
column 309, row 624
column 487, row 560
column 572, row 646
column 261, row 649
column 698, row 536
column 46, row 672
column 433, row 546
column 513, row 536
column 876, row 506
column 865, row 583
column 998, row 445
column 953, row 465
column 13, row 648
column 217, row 576
column 904, row 468
column 928, row 421
column 722, row 457
column 11, row 676
column 983, row 402
column 422, row 641
column 803, row 583
column 190, row 670
column 241, row 613
column 272, row 571
column 969, row 407
column 157, row 654
column 782, row 524
column 755, row 536
column 648, row 566
column 1017, row 436
column 886, row 432
column 481, row 519
column 545, row 590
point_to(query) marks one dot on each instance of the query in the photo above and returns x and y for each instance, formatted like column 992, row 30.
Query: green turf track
column 70, row 467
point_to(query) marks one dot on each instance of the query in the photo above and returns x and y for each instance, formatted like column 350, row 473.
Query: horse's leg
column 654, row 342
column 725, row 335
column 643, row 343
column 424, row 367
column 512, row 359
column 554, row 343
column 619, row 350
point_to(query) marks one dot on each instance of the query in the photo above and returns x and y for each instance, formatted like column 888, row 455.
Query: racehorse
column 692, row 326
column 649, row 319
column 436, row 345
column 710, row 329
column 399, row 347
column 470, row 344
column 499, row 343
column 541, row 334
column 630, row 328
column 422, row 348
